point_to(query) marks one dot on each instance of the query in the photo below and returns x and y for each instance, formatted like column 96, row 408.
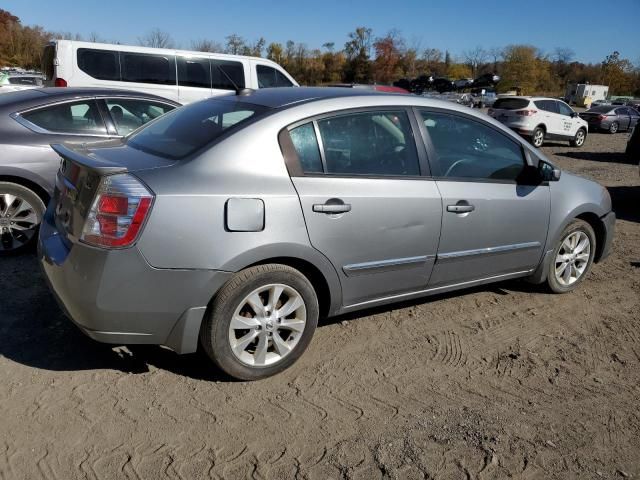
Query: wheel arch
column 598, row 228
column 30, row 184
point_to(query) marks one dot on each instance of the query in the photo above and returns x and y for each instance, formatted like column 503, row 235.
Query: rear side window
column 183, row 131
column 371, row 143
column 100, row 64
column 225, row 73
column 467, row 149
column 306, row 144
column 144, row 68
column 194, row 72
column 130, row 114
column 77, row 117
column 270, row 77
column 511, row 103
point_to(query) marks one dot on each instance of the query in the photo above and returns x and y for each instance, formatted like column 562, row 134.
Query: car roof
column 286, row 96
column 42, row 96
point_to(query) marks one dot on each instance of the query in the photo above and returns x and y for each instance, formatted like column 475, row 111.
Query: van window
column 48, row 57
column 194, row 72
column 270, row 77
column 233, row 70
column 145, row 68
column 100, row 64
column 78, row 117
column 184, row 130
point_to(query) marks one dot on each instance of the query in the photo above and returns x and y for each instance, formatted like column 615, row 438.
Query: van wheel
column 21, row 212
column 613, row 128
column 537, row 137
column 579, row 139
column 261, row 321
column 572, row 258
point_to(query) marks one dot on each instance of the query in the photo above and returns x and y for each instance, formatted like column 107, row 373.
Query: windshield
column 511, row 103
column 183, row 131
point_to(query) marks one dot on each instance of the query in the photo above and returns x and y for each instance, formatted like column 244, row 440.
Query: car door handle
column 331, row 207
column 461, row 208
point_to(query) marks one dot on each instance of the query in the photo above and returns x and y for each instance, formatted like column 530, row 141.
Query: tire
column 579, row 139
column 537, row 137
column 562, row 282
column 21, row 212
column 270, row 344
column 613, row 128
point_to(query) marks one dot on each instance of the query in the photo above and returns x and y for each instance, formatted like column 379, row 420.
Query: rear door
column 367, row 207
column 547, row 114
column 493, row 225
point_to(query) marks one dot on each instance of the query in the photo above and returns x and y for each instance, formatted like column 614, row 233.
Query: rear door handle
column 332, row 207
column 461, row 208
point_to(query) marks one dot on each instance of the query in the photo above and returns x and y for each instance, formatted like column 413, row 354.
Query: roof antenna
column 241, row 92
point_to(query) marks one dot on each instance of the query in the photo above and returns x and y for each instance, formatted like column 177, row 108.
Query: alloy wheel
column 18, row 222
column 538, row 138
column 267, row 325
column 579, row 138
column 572, row 258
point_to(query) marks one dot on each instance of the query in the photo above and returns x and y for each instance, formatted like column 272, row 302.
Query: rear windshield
column 601, row 109
column 511, row 103
column 183, row 131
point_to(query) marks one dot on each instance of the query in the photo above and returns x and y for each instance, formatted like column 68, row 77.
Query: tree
column 475, row 58
column 235, row 44
column 275, row 52
column 387, row 65
column 616, row 72
column 204, row 45
column 357, row 50
column 526, row 69
column 157, row 38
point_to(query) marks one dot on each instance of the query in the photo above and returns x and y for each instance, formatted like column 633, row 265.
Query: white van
column 180, row 75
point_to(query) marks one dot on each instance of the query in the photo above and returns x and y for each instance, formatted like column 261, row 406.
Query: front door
column 365, row 203
column 492, row 225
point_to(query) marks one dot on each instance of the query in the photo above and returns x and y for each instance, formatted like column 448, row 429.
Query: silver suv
column 237, row 222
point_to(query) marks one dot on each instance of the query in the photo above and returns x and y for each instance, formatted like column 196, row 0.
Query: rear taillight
column 601, row 117
column 59, row 82
column 526, row 113
column 120, row 208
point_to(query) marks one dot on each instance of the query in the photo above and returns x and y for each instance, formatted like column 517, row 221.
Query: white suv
column 540, row 118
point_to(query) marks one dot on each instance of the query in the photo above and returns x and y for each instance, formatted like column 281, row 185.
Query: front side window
column 184, row 130
column 306, row 144
column 370, row 143
column 227, row 75
column 270, row 77
column 100, row 64
column 129, row 114
column 145, row 68
column 194, row 72
column 468, row 149
column 77, row 117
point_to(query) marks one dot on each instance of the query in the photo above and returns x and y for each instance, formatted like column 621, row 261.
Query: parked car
column 237, row 221
column 487, row 80
column 482, row 100
column 442, row 85
column 633, row 146
column 33, row 119
column 463, row 83
column 421, row 84
column 180, row 75
column 597, row 103
column 540, row 119
column 611, row 118
column 16, row 82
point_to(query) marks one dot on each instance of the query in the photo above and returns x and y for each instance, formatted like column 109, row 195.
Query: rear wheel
column 613, row 128
column 572, row 257
column 261, row 321
column 579, row 139
column 537, row 137
column 21, row 212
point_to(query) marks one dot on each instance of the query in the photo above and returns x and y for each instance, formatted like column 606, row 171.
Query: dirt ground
column 495, row 382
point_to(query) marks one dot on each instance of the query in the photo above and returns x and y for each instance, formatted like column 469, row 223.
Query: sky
column 444, row 24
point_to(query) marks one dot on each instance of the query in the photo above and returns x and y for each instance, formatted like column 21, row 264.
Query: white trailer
column 584, row 94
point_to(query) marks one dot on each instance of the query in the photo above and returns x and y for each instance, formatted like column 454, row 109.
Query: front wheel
column 537, row 137
column 21, row 212
column 261, row 321
column 579, row 139
column 572, row 258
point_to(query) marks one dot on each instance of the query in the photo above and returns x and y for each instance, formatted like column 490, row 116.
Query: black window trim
column 294, row 166
column 18, row 117
column 432, row 154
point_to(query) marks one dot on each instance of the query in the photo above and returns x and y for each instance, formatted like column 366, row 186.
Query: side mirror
column 548, row 172
column 574, row 114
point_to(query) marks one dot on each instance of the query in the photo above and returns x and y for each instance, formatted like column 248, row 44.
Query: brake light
column 120, row 207
column 601, row 117
column 526, row 113
column 59, row 82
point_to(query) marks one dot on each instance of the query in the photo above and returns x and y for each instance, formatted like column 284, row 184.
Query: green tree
column 357, row 50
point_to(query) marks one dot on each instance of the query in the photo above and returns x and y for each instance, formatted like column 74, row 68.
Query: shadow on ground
column 604, row 157
column 626, row 202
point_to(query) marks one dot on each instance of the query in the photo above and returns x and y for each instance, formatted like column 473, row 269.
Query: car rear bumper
column 115, row 296
column 609, row 223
